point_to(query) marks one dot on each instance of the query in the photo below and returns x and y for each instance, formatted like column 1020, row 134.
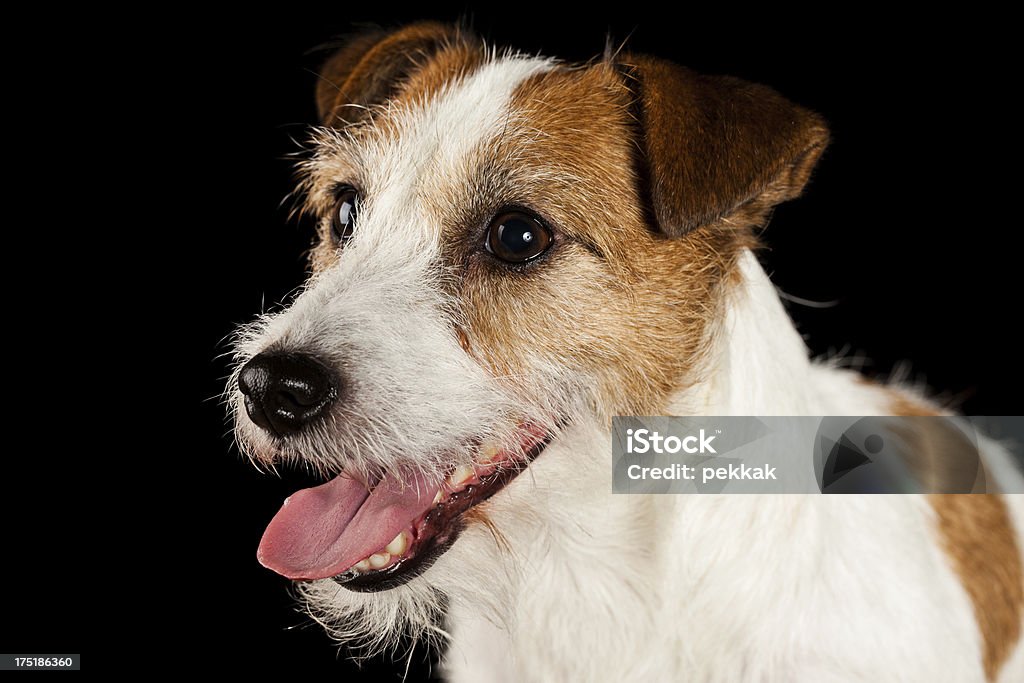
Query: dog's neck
column 758, row 364
column 614, row 549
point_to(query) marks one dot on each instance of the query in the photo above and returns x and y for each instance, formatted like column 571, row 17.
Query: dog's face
column 507, row 247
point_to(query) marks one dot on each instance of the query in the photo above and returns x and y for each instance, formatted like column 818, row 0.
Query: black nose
column 284, row 392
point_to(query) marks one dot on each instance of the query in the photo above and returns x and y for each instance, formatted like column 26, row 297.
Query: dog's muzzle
column 373, row 532
column 285, row 392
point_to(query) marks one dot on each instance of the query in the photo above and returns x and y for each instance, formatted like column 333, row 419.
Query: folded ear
column 371, row 67
column 716, row 147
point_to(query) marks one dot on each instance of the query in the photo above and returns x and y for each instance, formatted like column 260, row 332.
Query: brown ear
column 371, row 67
column 716, row 146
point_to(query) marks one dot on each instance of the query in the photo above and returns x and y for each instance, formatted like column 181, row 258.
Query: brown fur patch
column 460, row 334
column 372, row 67
column 716, row 145
column 406, row 67
column 902, row 404
column 981, row 542
column 330, row 88
column 458, row 59
column 613, row 300
column 941, row 457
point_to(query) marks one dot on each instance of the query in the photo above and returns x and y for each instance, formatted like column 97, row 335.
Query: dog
column 511, row 251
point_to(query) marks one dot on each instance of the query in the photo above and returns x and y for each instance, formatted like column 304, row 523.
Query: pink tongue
column 322, row 531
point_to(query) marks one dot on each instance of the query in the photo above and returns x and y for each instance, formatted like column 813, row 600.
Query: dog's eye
column 517, row 237
column 343, row 217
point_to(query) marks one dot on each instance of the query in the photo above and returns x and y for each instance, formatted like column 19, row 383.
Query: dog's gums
column 318, row 530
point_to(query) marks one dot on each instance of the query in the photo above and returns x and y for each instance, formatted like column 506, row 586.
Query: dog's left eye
column 343, row 217
column 517, row 237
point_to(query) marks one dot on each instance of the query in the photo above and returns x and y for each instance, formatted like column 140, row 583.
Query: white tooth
column 437, row 497
column 361, row 565
column 489, row 452
column 461, row 474
column 378, row 560
column 398, row 546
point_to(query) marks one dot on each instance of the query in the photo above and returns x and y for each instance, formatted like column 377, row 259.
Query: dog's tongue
column 322, row 531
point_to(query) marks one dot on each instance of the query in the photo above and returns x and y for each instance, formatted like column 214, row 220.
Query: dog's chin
column 339, row 530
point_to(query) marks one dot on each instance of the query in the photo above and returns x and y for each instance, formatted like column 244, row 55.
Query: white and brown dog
column 512, row 251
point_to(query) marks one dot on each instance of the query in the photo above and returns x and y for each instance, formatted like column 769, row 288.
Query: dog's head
column 508, row 247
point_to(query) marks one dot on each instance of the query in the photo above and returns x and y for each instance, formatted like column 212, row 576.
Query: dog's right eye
column 517, row 237
column 343, row 217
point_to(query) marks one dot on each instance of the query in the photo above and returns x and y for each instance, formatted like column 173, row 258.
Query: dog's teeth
column 378, row 560
column 437, row 497
column 461, row 474
column 398, row 546
column 362, row 565
column 489, row 452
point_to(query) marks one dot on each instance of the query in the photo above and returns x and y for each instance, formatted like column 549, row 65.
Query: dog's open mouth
column 379, row 536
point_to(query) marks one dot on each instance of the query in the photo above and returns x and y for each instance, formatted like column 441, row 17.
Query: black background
column 909, row 224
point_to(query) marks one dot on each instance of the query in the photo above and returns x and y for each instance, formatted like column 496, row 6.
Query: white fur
column 380, row 314
column 719, row 588
column 572, row 582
